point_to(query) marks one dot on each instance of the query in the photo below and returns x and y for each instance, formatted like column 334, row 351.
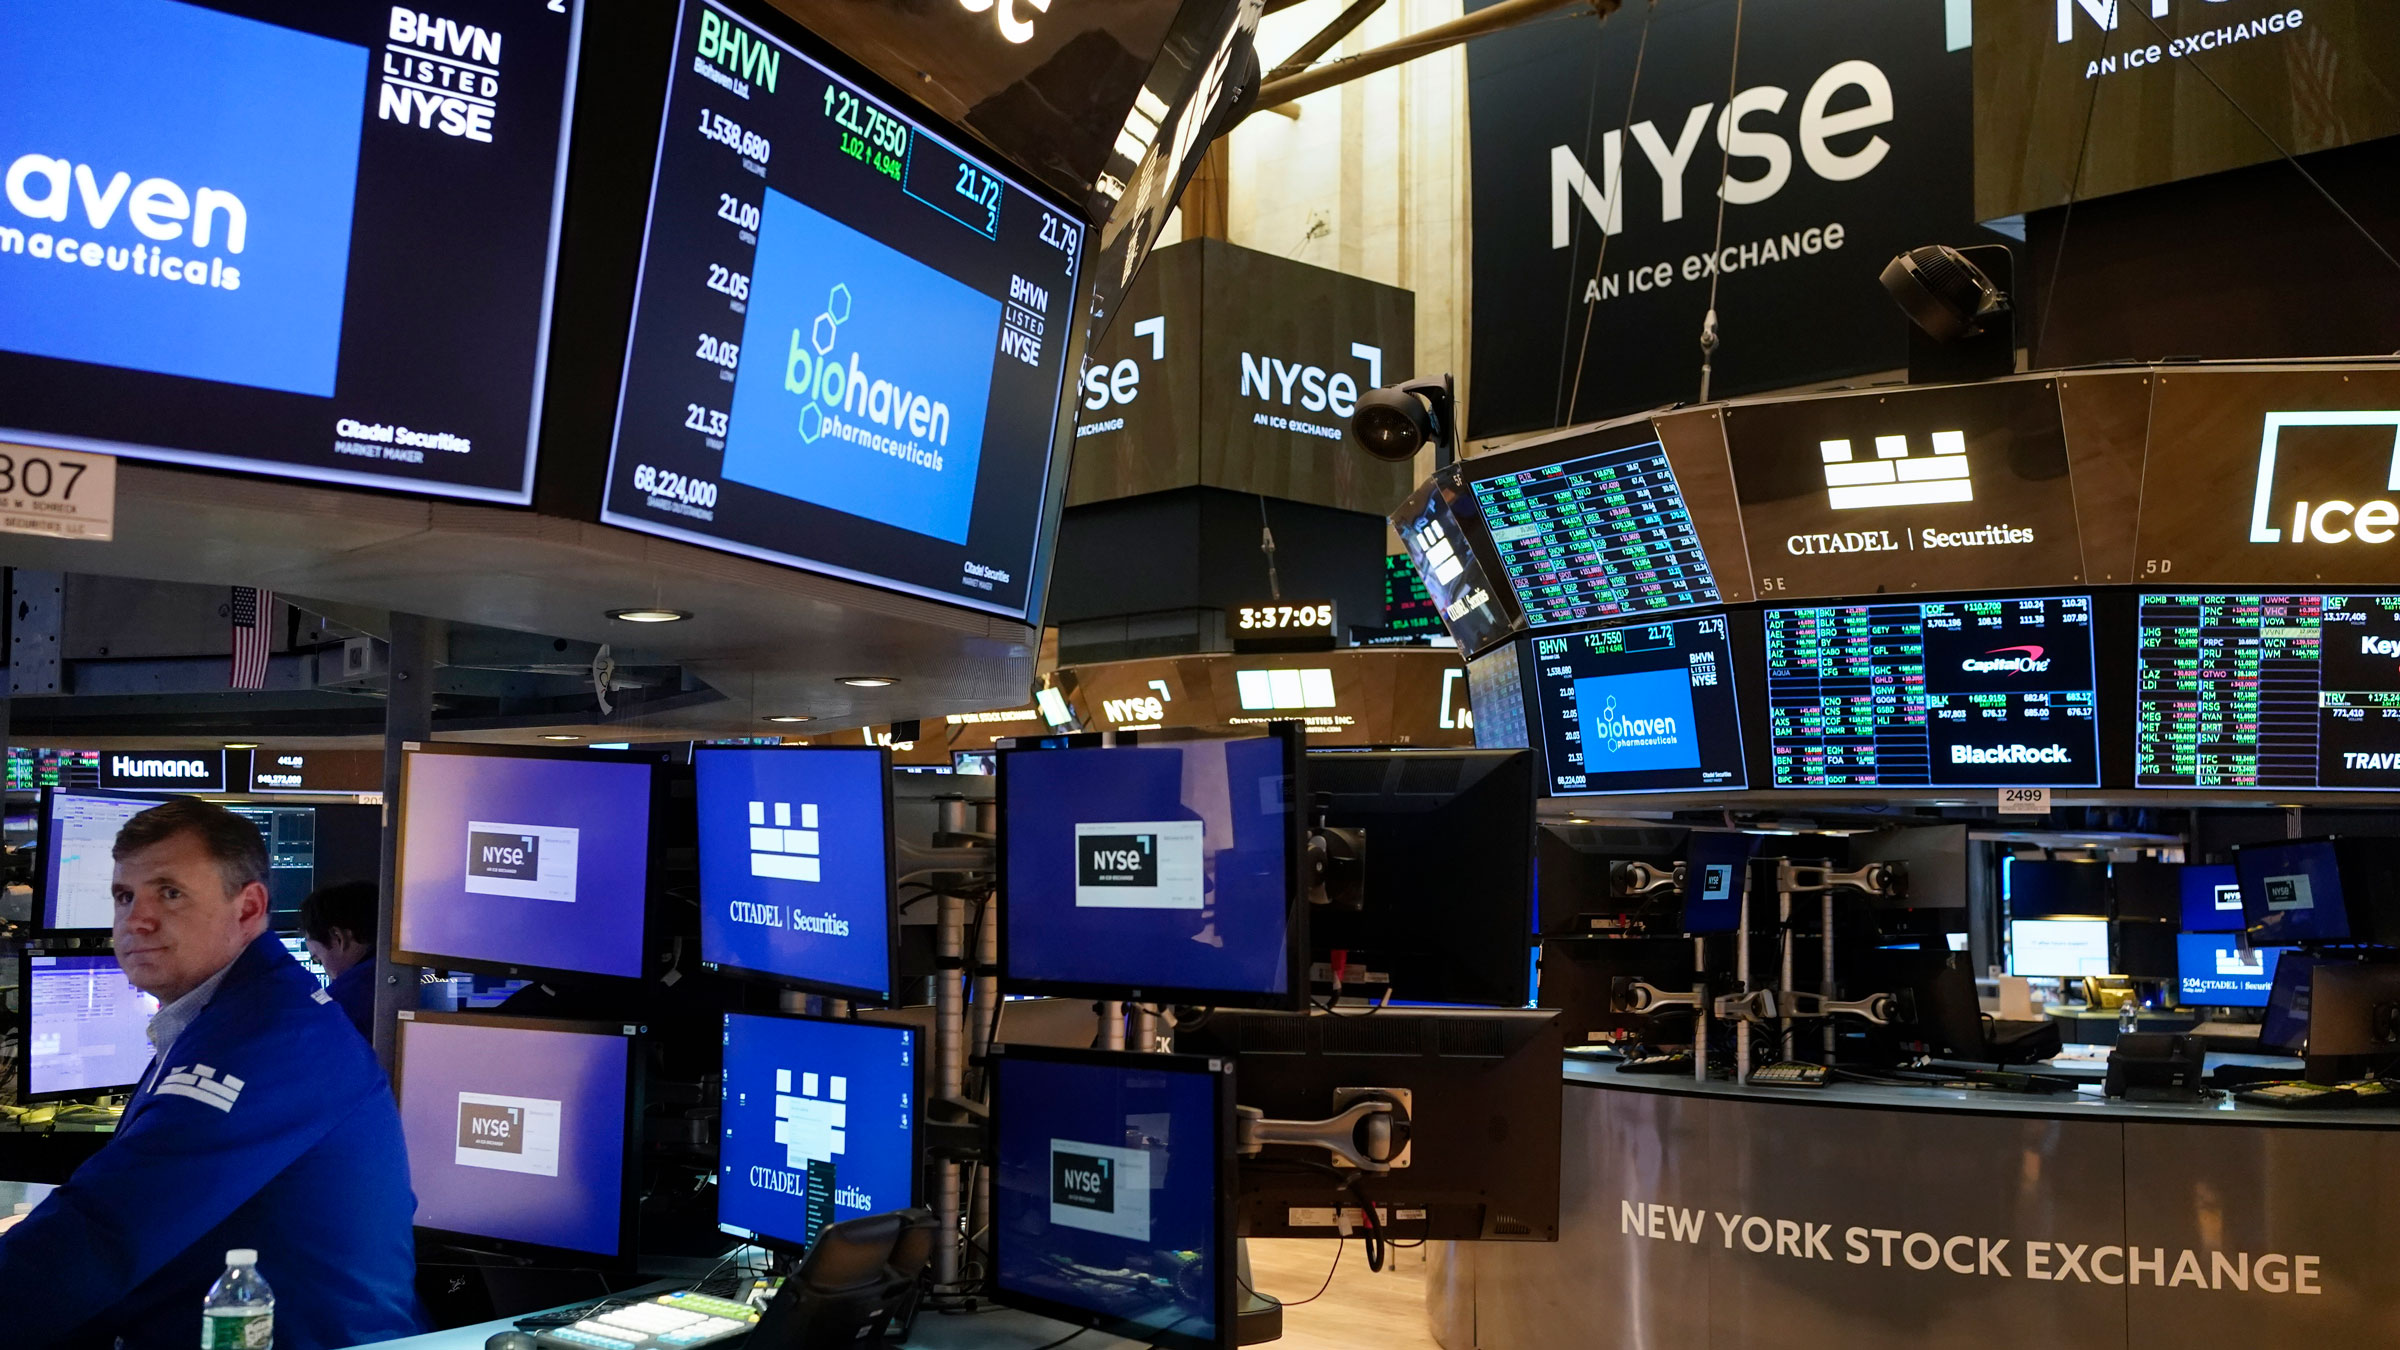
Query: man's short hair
column 232, row 842
column 349, row 905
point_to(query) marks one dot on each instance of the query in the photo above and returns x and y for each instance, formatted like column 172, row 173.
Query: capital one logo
column 2012, row 661
column 1894, row 477
column 2329, row 522
column 1012, row 26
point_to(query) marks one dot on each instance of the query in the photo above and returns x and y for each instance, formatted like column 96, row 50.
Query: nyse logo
column 1312, row 388
column 1083, row 1181
column 1100, row 1189
column 1013, row 26
column 2328, row 522
column 1123, row 710
column 454, row 87
column 1106, row 386
column 1893, row 477
column 515, row 857
column 1716, row 881
column 497, row 1129
column 1118, row 860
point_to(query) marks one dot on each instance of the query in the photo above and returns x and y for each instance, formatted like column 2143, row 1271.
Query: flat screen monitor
column 2284, row 691
column 2146, row 890
column 1936, row 694
column 78, row 830
column 1166, row 872
column 1645, row 708
column 86, row 1027
column 1595, row 536
column 796, row 865
column 513, row 862
column 2292, row 892
column 2212, row 970
column 224, row 225
column 518, row 1129
column 2058, row 949
column 1408, row 607
column 2212, row 898
column 819, row 1125
column 1442, row 529
column 1112, row 1196
column 852, row 331
column 2285, row 1027
column 2039, row 888
column 1714, row 868
column 313, row 846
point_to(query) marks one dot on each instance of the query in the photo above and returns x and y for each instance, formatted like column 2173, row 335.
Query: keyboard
column 669, row 1322
column 1789, row 1073
column 1676, row 1063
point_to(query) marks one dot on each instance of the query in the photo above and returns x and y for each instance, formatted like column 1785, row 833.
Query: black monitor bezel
column 2267, row 931
column 46, row 868
column 916, row 1119
column 1529, row 698
column 26, row 1096
column 1295, row 997
column 629, row 1185
column 1220, row 1070
column 401, row 955
column 886, row 996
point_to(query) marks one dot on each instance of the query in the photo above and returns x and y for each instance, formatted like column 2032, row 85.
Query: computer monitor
column 975, row 763
column 313, row 846
column 1713, row 869
column 796, row 866
column 2146, row 890
column 77, row 831
column 2353, row 1017
column 2212, row 898
column 1112, row 1202
column 521, row 1131
column 2330, row 889
column 2213, row 970
column 516, row 862
column 2058, row 949
column 1155, row 872
column 1484, row 1127
column 85, row 1027
column 819, row 1125
column 2142, row 949
column 2285, row 1027
column 1445, row 913
column 2048, row 889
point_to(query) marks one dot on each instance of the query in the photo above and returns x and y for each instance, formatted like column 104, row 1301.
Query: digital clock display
column 851, row 335
column 1304, row 617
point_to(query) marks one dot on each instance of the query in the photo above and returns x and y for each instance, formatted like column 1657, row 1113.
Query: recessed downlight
column 870, row 681
column 650, row 615
column 792, row 717
column 241, row 745
column 559, row 736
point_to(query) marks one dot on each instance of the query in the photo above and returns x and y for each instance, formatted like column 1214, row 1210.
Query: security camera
column 1391, row 423
column 1943, row 293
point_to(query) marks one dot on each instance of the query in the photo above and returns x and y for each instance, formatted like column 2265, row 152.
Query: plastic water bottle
column 2128, row 1015
column 240, row 1311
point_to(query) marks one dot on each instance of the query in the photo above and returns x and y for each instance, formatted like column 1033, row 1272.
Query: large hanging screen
column 1958, row 693
column 850, row 335
column 1597, row 537
column 1645, row 708
column 2297, row 691
column 306, row 240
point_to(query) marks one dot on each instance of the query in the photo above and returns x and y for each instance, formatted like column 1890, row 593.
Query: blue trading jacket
column 270, row 1126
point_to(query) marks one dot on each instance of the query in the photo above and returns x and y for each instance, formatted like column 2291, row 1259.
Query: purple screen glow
column 84, row 1025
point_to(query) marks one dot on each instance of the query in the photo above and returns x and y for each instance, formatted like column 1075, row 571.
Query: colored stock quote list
column 2296, row 691
column 1597, row 538
column 1982, row 693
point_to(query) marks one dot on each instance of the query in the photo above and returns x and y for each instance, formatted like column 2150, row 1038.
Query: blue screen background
column 1236, row 942
column 1606, row 701
column 875, row 1169
column 2199, row 889
column 153, row 89
column 853, row 886
column 2199, row 984
column 599, row 932
column 1170, row 1116
column 2324, row 920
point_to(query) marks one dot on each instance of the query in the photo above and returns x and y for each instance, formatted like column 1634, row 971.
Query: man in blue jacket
column 338, row 924
column 263, row 1121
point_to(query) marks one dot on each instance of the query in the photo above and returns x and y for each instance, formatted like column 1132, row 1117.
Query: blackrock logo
column 2009, row 754
column 2011, row 661
column 2337, row 521
column 508, row 1134
column 1100, row 1189
column 1894, row 477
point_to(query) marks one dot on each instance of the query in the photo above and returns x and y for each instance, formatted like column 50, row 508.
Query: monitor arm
column 1371, row 1136
column 1769, row 1005
column 920, row 863
column 1633, row 995
column 1875, row 878
column 1631, row 877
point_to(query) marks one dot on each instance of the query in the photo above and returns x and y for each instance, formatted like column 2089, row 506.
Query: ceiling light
column 792, row 717
column 650, row 615
column 241, row 745
column 869, row 681
column 559, row 736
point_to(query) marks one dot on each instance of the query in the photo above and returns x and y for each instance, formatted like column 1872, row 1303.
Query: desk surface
column 2086, row 1103
column 998, row 1329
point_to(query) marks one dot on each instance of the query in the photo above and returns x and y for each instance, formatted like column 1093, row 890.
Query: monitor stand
column 1257, row 1318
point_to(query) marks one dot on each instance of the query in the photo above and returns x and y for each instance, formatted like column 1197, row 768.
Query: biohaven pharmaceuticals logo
column 176, row 196
column 873, row 379
column 1138, row 864
column 1618, row 731
column 1100, row 1189
column 2012, row 661
column 531, row 862
column 508, row 1134
column 2337, row 521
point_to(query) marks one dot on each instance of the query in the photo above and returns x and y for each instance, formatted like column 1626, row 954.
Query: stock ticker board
column 1606, row 536
column 2299, row 691
column 1638, row 708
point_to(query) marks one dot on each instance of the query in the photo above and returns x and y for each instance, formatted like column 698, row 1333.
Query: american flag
column 251, row 639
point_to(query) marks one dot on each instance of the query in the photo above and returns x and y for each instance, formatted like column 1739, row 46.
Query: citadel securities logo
column 2007, row 661
column 2335, row 521
column 1894, row 479
column 877, row 405
column 176, row 198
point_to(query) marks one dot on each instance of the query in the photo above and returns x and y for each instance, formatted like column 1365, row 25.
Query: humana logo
column 848, row 404
column 1996, row 661
column 1621, row 731
column 1894, row 479
column 2008, row 754
column 123, row 767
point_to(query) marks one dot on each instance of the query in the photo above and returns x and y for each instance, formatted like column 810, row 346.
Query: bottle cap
column 242, row 1256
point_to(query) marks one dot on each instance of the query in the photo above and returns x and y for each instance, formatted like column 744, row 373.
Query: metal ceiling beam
column 1492, row 19
column 1306, row 54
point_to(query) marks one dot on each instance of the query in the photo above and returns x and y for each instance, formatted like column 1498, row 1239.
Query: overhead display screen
column 1960, row 693
column 850, row 336
column 1601, row 537
column 1959, row 488
column 2297, row 691
column 306, row 240
column 1437, row 526
column 1645, row 708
